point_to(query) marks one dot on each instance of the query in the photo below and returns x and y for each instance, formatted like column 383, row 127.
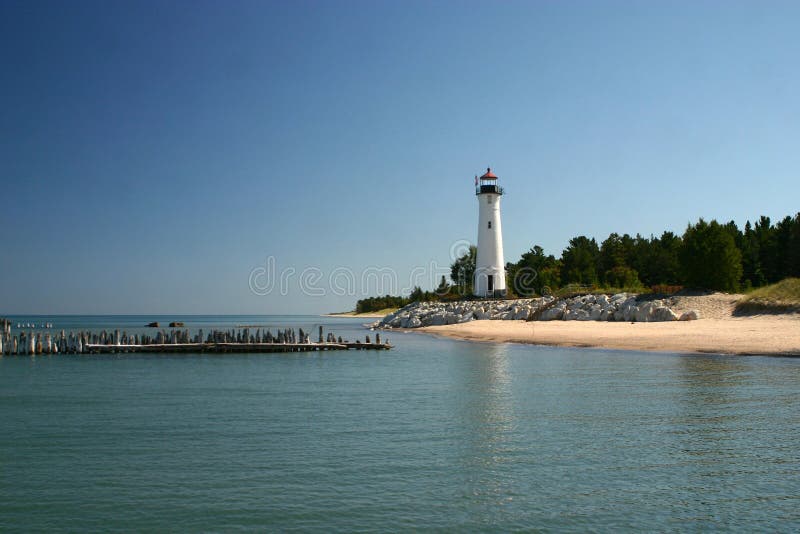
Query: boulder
column 643, row 313
column 553, row 314
column 522, row 314
column 576, row 315
column 663, row 313
column 691, row 315
column 627, row 310
column 437, row 319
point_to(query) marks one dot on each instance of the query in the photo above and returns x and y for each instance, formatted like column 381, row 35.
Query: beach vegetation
column 462, row 270
column 579, row 261
column 780, row 297
column 708, row 256
column 534, row 272
column 373, row 304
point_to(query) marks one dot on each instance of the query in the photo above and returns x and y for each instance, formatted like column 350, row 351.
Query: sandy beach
column 764, row 334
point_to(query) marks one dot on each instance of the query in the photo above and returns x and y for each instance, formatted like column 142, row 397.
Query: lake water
column 434, row 434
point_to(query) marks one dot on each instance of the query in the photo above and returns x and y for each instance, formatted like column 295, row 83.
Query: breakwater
column 590, row 307
column 176, row 340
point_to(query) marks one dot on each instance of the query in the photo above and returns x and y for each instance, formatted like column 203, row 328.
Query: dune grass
column 781, row 297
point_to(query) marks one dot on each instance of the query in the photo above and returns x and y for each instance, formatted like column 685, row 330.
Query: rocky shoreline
column 592, row 307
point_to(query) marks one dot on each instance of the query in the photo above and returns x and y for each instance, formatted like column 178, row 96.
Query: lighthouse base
column 490, row 285
column 496, row 294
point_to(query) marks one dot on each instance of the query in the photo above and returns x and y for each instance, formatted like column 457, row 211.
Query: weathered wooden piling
column 177, row 340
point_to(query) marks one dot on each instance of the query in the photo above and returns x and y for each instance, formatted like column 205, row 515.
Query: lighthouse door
column 491, row 283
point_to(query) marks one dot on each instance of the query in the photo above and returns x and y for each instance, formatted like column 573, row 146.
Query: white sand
column 765, row 334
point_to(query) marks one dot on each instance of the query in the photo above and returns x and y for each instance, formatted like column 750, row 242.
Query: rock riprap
column 618, row 307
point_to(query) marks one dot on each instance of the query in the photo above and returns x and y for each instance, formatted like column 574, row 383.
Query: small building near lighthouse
column 490, row 272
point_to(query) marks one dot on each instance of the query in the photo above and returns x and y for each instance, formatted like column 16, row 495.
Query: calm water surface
column 434, row 434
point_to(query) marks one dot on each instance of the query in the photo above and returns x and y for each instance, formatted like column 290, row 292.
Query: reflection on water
column 683, row 438
column 435, row 434
column 488, row 415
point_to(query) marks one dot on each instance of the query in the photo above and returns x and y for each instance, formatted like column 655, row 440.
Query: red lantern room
column 487, row 183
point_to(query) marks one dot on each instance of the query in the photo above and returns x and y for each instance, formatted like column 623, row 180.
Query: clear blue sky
column 152, row 154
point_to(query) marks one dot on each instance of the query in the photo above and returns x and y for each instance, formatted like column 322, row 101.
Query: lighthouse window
column 490, row 225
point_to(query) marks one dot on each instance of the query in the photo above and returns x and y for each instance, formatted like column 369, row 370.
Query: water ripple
column 436, row 434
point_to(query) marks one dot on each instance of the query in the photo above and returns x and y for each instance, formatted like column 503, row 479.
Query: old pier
column 215, row 341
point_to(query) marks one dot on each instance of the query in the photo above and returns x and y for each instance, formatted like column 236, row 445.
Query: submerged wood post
column 237, row 340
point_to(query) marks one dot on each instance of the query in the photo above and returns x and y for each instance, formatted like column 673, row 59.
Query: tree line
column 709, row 255
column 443, row 292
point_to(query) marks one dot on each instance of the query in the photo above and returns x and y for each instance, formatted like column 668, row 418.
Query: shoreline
column 773, row 335
column 367, row 315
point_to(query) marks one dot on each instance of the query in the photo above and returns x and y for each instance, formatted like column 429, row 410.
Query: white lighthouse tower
column 490, row 272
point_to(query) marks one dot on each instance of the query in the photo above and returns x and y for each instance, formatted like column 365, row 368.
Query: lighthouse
column 490, row 272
